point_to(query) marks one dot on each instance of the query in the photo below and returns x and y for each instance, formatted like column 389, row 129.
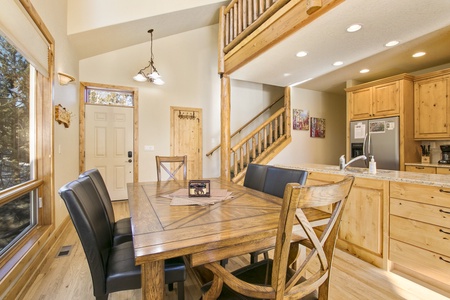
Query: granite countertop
column 398, row 176
column 428, row 165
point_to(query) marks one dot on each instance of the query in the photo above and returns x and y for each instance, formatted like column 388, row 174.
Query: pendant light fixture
column 151, row 74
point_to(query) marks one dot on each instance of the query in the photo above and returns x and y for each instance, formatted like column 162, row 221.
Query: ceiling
column 417, row 24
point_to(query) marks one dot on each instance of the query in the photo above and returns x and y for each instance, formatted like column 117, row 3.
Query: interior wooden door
column 186, row 138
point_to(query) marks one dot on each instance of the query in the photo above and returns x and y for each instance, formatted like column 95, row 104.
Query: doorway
column 186, row 138
column 108, row 135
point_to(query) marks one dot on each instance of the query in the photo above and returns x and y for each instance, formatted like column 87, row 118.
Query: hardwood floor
column 68, row 277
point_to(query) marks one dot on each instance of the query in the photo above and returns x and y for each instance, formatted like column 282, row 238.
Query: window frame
column 20, row 261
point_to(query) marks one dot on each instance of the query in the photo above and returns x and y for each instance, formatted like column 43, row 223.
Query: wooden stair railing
column 248, row 123
column 258, row 142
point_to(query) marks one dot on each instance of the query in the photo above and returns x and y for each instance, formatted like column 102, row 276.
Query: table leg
column 153, row 280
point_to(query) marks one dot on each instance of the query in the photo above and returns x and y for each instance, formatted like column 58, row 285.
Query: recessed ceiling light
column 418, row 54
column 392, row 43
column 338, row 63
column 301, row 54
column 364, row 71
column 287, row 74
column 354, row 28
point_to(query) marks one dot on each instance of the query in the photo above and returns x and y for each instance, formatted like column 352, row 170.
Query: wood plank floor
column 68, row 277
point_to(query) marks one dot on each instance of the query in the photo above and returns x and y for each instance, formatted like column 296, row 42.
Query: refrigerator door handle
column 365, row 144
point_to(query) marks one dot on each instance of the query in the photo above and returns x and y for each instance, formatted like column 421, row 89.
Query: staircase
column 261, row 145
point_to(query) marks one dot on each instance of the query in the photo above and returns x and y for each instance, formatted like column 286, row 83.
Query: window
column 109, row 97
column 18, row 194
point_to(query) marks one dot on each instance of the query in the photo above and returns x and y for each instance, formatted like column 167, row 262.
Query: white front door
column 109, row 146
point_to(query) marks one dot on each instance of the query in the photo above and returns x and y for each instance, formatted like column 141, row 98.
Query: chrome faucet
column 343, row 165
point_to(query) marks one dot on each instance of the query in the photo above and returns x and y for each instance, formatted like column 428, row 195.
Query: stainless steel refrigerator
column 378, row 138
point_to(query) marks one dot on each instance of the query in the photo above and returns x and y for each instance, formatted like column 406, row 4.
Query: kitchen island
column 395, row 220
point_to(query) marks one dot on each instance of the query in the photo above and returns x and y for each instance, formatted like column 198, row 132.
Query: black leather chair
column 277, row 178
column 112, row 267
column 275, row 182
column 255, row 176
column 121, row 229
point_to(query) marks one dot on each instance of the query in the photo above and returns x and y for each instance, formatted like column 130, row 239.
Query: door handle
column 130, row 160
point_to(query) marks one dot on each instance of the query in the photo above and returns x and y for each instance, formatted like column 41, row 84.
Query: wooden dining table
column 244, row 223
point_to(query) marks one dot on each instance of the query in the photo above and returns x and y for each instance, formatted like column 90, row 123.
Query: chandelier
column 151, row 74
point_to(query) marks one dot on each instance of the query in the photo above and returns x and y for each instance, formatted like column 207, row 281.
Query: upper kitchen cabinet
column 431, row 105
column 379, row 99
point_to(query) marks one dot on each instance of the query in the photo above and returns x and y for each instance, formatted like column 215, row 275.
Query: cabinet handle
column 444, row 191
column 443, row 231
column 440, row 257
column 420, row 168
column 443, row 211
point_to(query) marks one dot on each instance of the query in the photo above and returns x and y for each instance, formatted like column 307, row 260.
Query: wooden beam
column 225, row 137
column 289, row 19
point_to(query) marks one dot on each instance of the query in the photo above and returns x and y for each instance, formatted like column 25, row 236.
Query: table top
column 161, row 231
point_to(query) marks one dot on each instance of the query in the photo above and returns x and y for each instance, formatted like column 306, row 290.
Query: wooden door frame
column 82, row 121
column 195, row 109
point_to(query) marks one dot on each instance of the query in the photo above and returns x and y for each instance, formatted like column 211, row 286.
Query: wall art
column 317, row 127
column 300, row 119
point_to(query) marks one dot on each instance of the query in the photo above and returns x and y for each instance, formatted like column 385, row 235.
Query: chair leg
column 180, row 286
column 266, row 255
column 102, row 297
column 224, row 262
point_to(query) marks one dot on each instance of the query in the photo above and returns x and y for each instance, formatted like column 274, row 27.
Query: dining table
column 204, row 230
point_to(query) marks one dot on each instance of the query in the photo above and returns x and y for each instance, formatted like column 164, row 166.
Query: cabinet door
column 431, row 108
column 361, row 230
column 360, row 103
column 386, row 99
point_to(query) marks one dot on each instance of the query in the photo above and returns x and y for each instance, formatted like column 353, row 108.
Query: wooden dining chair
column 282, row 278
column 275, row 181
column 171, row 164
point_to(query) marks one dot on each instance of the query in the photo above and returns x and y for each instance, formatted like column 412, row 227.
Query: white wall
column 53, row 13
column 305, row 149
column 87, row 14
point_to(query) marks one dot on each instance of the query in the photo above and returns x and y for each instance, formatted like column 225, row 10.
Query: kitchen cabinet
column 420, row 232
column 443, row 171
column 428, row 169
column 421, row 169
column 432, row 106
column 376, row 100
column 363, row 229
column 388, row 97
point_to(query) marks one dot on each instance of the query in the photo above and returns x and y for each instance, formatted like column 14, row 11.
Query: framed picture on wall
column 300, row 119
column 317, row 127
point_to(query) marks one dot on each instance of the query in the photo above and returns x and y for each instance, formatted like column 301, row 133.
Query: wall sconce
column 65, row 79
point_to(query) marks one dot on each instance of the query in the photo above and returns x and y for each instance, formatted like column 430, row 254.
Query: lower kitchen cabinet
column 363, row 229
column 427, row 169
column 421, row 169
column 419, row 232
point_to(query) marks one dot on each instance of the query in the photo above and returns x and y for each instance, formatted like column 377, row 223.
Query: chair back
column 101, row 188
column 255, row 176
column 93, row 228
column 171, row 164
column 277, row 178
column 295, row 198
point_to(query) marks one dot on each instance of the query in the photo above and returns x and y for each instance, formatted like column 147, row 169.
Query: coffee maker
column 445, row 155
